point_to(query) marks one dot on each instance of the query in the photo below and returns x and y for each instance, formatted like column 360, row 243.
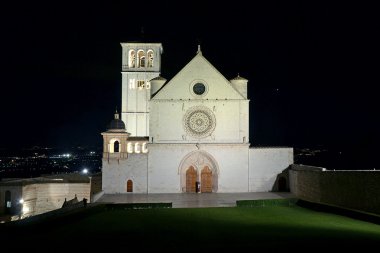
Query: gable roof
column 199, row 69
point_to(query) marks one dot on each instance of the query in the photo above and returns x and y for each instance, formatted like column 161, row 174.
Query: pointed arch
column 199, row 160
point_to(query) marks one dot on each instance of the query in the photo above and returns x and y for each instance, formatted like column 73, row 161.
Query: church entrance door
column 191, row 178
column 206, row 180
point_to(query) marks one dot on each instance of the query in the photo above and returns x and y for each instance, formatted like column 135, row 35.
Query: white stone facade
column 195, row 133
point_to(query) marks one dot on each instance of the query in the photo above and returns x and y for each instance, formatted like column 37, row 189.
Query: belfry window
column 150, row 59
column 141, row 59
column 116, row 147
column 132, row 58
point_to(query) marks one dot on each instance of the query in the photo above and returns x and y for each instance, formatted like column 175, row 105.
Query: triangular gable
column 199, row 69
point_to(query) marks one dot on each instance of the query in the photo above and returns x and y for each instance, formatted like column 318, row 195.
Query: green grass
column 272, row 227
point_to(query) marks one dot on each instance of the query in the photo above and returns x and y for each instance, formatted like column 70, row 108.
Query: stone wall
column 117, row 172
column 358, row 190
column 266, row 164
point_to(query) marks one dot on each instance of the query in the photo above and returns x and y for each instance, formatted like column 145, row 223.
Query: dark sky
column 312, row 67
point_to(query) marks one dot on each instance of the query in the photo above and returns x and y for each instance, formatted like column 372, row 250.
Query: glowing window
column 141, row 59
column 144, row 148
column 132, row 84
column 137, row 148
column 130, row 147
column 132, row 59
column 140, row 84
column 150, row 59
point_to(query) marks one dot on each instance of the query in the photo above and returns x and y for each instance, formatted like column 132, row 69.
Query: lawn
column 273, row 228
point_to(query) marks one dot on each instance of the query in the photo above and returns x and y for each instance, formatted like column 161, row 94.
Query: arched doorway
column 191, row 178
column 129, row 186
column 206, row 179
column 196, row 161
column 282, row 184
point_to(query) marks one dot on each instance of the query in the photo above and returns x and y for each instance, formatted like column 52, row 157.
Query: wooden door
column 206, row 180
column 129, row 186
column 191, row 178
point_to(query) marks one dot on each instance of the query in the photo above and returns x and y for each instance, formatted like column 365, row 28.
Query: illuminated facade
column 190, row 134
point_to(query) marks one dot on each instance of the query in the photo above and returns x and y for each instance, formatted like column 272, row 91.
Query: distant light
column 25, row 209
column 21, row 201
column 85, row 171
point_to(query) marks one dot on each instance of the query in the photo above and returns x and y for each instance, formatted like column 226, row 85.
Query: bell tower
column 141, row 62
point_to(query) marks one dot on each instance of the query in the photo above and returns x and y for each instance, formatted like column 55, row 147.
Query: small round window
column 199, row 88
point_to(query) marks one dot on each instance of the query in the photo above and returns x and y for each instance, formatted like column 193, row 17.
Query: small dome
column 158, row 78
column 239, row 78
column 116, row 123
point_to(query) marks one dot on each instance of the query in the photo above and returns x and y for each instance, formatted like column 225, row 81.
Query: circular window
column 199, row 122
column 199, row 88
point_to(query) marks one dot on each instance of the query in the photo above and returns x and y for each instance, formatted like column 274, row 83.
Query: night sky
column 313, row 68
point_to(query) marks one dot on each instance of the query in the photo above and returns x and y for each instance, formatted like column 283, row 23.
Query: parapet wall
column 359, row 190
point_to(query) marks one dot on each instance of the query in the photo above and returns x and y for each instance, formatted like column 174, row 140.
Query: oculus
column 199, row 88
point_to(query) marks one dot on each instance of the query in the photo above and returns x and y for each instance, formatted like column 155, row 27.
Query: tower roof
column 116, row 123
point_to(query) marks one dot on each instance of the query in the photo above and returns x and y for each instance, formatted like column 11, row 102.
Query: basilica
column 188, row 134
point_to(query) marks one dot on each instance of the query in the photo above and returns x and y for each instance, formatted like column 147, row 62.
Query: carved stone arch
column 198, row 160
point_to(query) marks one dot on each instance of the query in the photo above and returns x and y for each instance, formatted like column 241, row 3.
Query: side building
column 31, row 196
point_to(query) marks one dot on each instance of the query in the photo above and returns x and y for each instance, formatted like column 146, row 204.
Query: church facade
column 189, row 134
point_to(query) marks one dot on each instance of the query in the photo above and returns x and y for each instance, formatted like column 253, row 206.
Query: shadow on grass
column 368, row 217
